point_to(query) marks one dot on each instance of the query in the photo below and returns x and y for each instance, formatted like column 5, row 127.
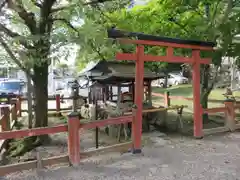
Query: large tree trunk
column 41, row 95
column 40, row 80
column 205, row 90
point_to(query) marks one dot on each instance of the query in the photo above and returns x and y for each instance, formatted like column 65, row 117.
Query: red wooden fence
column 57, row 98
column 74, row 125
column 228, row 109
column 167, row 97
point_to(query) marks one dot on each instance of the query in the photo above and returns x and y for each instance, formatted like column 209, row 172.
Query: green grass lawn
column 186, row 91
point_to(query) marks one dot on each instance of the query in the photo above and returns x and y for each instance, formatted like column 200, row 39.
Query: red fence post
column 58, row 105
column 230, row 114
column 6, row 118
column 19, row 106
column 166, row 99
column 73, row 138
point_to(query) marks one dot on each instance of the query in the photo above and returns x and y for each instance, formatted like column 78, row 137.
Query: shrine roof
column 115, row 33
column 116, row 71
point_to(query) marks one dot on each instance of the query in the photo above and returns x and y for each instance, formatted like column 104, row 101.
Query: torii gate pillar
column 197, row 108
column 138, row 100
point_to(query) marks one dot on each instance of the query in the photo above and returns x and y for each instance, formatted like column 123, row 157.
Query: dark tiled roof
column 116, row 71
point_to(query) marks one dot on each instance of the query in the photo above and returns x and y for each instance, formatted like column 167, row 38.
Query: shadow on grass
column 183, row 90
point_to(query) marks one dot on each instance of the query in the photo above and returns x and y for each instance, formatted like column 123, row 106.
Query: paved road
column 175, row 158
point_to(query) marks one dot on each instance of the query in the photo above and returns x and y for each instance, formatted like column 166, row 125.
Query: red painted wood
column 166, row 44
column 188, row 98
column 137, row 120
column 198, row 125
column 158, row 94
column 58, row 99
column 215, row 110
column 152, row 58
column 74, row 140
column 170, row 53
column 140, row 58
column 33, row 132
column 105, row 122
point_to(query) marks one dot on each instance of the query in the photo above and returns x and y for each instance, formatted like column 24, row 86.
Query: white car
column 173, row 79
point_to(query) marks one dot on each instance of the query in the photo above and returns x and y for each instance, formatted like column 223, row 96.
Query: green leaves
column 180, row 18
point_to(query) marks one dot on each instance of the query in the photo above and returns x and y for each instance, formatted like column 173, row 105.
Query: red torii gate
column 143, row 39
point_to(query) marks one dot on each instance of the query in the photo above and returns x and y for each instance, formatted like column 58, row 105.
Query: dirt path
column 171, row 158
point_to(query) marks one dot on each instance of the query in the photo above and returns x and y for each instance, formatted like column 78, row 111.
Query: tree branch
column 227, row 11
column 97, row 50
column 65, row 22
column 27, row 17
column 8, row 31
column 13, row 57
column 215, row 12
column 45, row 15
column 54, row 10
column 3, row 4
column 12, row 34
column 183, row 27
column 36, row 3
column 96, row 2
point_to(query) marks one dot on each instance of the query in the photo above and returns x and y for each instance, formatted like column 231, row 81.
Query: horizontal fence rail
column 215, row 110
column 33, row 132
column 60, row 159
column 105, row 122
column 184, row 98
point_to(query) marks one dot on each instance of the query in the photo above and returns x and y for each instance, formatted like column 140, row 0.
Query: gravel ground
column 167, row 158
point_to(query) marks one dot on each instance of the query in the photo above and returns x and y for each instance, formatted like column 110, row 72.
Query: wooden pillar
column 130, row 90
column 90, row 95
column 5, row 122
column 14, row 113
column 138, row 100
column 58, row 103
column 111, row 93
column 198, row 125
column 73, row 138
column 114, row 128
column 145, row 89
column 166, row 99
column 19, row 106
column 119, row 96
column 149, row 93
column 133, row 91
column 106, row 93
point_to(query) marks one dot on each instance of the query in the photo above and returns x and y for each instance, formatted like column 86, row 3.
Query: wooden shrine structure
column 107, row 75
column 141, row 40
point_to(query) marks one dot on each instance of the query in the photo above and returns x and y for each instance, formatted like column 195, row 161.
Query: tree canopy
column 196, row 19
